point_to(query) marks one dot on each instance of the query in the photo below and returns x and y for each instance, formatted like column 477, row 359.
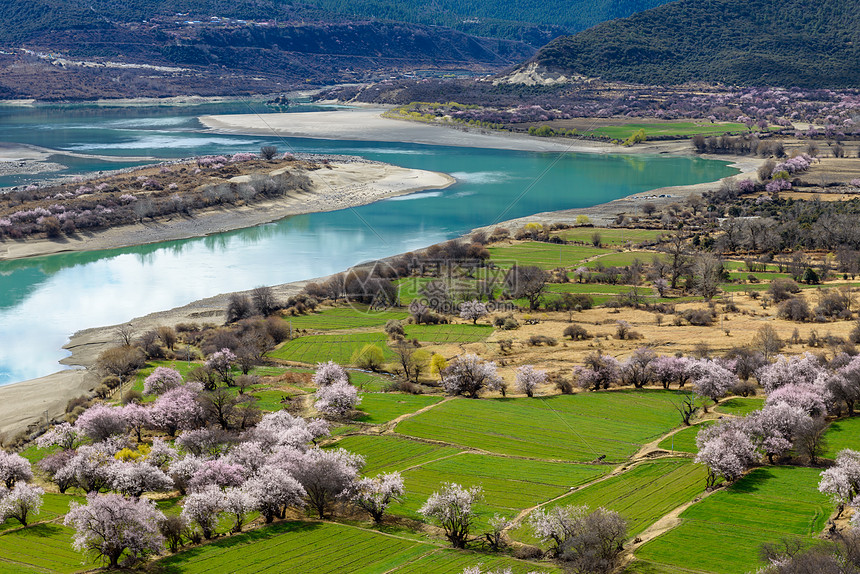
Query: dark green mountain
column 747, row 42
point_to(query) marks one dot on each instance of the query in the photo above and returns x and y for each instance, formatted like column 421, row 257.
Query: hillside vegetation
column 754, row 42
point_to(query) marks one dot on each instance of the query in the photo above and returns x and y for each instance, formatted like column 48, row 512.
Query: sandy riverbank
column 345, row 184
column 369, row 125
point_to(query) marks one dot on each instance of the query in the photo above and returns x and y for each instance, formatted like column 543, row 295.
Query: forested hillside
column 532, row 22
column 751, row 42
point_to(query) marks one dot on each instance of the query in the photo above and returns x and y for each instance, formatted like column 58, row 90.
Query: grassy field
column 509, row 484
column 723, row 533
column 382, row 407
column 544, row 255
column 590, row 288
column 842, row 434
column 610, row 236
column 670, row 129
column 344, row 318
column 338, row 348
column 448, row 333
column 391, row 453
column 577, row 427
column 641, row 495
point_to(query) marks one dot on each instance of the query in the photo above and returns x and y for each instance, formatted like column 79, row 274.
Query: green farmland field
column 641, row 495
column 390, row 453
column 323, row 548
column 740, row 406
column 625, row 258
column 448, row 333
column 382, row 407
column 338, row 348
column 509, row 484
column 624, row 131
column 684, row 440
column 577, row 427
column 610, row 236
column 344, row 318
column 842, row 434
column 43, row 547
column 545, row 255
column 723, row 532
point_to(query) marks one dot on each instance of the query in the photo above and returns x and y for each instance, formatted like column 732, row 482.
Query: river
column 44, row 300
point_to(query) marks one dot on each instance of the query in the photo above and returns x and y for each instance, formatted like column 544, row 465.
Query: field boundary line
column 434, row 544
column 397, row 420
column 416, row 559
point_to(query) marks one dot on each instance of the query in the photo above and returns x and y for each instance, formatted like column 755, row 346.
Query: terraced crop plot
column 641, row 495
column 684, row 440
column 344, row 318
column 448, row 333
column 625, row 258
column 298, row 547
column 447, row 560
column 391, row 453
column 592, row 288
column 610, row 236
column 42, row 547
column 842, row 434
column 740, row 406
column 577, row 427
column 338, row 348
column 382, row 407
column 509, row 484
column 545, row 255
column 723, row 532
column 669, row 129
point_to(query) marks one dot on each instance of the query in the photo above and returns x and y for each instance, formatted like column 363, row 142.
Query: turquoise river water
column 44, row 300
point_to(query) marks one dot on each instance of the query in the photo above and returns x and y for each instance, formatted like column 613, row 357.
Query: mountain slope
column 751, row 42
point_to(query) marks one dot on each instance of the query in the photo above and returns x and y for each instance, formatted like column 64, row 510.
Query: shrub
column 576, row 332
column 781, row 289
column 794, row 309
column 537, row 340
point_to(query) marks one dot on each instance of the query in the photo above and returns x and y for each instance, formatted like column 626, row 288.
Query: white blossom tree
column 275, row 490
column 109, row 525
column 337, row 399
column 14, row 468
column 452, row 507
column 529, row 378
column 469, row 374
column 239, row 502
column 21, row 502
column 374, row 495
column 473, row 310
column 326, row 475
column 134, row 478
column 726, row 450
column 203, row 508
column 328, row 374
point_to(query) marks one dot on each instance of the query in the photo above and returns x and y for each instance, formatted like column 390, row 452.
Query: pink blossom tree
column 216, row 472
column 712, row 380
column 108, row 526
column 275, row 490
column 726, row 450
column 375, row 495
column 14, row 468
column 101, row 421
column 808, row 398
column 668, row 369
column 529, row 378
column 161, row 380
column 468, row 375
column 326, row 475
column 89, row 468
column 136, row 418
column 636, row 370
column 599, row 371
column 798, row 369
column 222, row 363
column 177, row 409
column 453, row 508
column 134, row 478
column 21, row 502
column 773, row 428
